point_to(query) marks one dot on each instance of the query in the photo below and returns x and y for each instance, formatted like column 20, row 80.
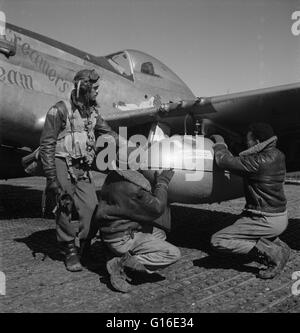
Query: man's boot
column 273, row 256
column 117, row 275
column 130, row 262
column 72, row 261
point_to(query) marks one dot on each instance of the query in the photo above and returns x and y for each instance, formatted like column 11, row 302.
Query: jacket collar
column 136, row 178
column 260, row 146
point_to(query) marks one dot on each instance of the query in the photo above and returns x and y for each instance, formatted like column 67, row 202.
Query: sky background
column 216, row 47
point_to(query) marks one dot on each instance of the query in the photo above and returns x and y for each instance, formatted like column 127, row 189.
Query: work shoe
column 132, row 263
column 117, row 275
column 273, row 256
column 71, row 260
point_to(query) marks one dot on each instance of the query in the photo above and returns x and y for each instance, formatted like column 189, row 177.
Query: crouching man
column 255, row 234
column 128, row 213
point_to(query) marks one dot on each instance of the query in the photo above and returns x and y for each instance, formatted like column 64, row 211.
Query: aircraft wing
column 230, row 115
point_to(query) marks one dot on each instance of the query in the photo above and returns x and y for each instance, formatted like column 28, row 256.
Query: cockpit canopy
column 134, row 65
column 121, row 64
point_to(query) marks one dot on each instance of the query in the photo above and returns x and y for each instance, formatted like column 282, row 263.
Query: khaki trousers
column 150, row 249
column 241, row 237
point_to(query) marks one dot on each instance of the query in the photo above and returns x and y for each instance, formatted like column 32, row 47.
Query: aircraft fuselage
column 41, row 73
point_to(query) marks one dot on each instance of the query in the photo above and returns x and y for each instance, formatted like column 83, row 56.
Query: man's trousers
column 241, row 237
column 150, row 249
column 85, row 199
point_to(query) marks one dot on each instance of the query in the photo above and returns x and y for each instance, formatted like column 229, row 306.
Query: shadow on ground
column 43, row 244
column 213, row 261
column 19, row 202
column 191, row 228
column 292, row 233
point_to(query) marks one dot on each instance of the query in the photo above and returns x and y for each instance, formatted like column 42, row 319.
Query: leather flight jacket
column 125, row 207
column 263, row 170
column 55, row 124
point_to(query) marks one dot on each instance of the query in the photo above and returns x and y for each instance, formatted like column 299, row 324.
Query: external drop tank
column 197, row 178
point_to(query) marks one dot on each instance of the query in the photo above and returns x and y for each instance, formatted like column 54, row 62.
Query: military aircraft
column 141, row 93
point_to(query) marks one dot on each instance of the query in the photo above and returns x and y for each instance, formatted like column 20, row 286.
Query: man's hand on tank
column 216, row 138
column 166, row 175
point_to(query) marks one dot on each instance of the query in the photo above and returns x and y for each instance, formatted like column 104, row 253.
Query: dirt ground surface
column 36, row 280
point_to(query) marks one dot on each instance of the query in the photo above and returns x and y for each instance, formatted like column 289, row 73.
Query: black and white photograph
column 150, row 159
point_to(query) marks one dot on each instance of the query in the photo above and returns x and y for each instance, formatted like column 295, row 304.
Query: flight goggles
column 87, row 75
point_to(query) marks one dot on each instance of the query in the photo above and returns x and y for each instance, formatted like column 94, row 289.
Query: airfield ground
column 36, row 280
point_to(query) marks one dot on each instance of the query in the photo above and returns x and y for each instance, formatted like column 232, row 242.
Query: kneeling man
column 264, row 218
column 132, row 217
